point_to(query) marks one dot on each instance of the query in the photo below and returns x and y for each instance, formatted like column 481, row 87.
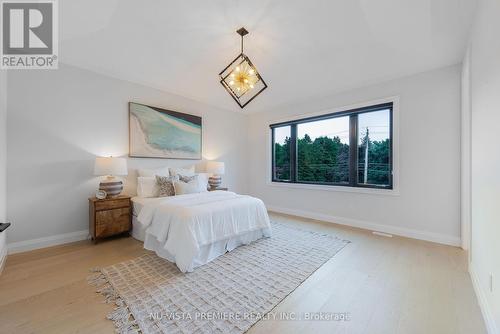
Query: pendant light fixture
column 241, row 79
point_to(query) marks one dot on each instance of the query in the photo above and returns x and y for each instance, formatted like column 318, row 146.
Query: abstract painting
column 160, row 133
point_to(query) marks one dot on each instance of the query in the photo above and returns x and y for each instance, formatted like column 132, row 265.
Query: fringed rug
column 227, row 295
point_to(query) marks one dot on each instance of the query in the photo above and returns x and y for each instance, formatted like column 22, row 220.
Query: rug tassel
column 121, row 316
column 119, row 313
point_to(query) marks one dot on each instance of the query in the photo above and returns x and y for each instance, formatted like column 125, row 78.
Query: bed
column 138, row 229
column 194, row 229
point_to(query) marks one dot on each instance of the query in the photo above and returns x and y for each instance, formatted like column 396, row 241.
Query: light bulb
column 237, row 68
column 251, row 71
column 251, row 86
column 231, row 82
column 246, row 80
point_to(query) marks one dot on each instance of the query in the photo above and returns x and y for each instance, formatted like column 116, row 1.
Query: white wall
column 59, row 120
column 428, row 205
column 3, row 161
column 466, row 129
column 485, row 97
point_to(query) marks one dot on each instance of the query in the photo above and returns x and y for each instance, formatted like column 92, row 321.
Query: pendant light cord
column 242, row 44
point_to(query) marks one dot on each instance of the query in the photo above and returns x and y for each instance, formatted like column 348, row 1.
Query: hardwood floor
column 387, row 285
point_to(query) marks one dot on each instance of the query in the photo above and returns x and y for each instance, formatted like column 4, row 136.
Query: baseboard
column 400, row 231
column 489, row 321
column 53, row 240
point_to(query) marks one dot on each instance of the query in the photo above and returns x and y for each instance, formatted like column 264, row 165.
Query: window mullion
column 353, row 150
column 293, row 153
column 273, row 157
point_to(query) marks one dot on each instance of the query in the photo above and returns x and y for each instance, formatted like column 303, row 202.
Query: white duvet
column 182, row 225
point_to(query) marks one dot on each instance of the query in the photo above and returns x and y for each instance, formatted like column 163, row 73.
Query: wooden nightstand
column 110, row 216
column 219, row 188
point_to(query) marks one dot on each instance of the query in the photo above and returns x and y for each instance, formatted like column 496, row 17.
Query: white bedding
column 138, row 230
column 139, row 202
column 181, row 228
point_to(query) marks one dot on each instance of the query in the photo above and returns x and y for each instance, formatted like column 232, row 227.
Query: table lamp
column 110, row 167
column 216, row 168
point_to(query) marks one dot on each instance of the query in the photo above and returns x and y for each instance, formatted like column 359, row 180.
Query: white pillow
column 147, row 187
column 183, row 188
column 203, row 181
column 163, row 171
column 182, row 171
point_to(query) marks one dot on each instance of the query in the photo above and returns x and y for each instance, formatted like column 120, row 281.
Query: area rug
column 227, row 295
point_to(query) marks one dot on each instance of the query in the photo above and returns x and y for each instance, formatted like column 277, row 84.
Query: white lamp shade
column 215, row 167
column 110, row 166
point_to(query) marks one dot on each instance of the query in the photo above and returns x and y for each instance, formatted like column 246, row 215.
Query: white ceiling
column 303, row 49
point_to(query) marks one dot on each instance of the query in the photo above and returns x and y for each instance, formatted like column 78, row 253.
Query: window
column 323, row 151
column 374, row 146
column 281, row 161
column 351, row 148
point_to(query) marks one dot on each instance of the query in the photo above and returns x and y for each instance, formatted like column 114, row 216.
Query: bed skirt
column 206, row 254
column 138, row 231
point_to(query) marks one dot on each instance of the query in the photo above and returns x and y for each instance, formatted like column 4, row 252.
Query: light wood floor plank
column 387, row 285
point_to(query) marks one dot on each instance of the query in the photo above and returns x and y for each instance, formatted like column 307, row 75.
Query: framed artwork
column 161, row 133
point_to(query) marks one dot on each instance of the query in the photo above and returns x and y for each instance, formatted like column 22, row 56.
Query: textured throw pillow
column 162, row 171
column 183, row 188
column 166, row 185
column 182, row 171
column 146, row 187
column 202, row 179
column 187, row 179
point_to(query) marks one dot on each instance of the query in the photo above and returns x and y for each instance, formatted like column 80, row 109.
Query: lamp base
column 112, row 187
column 214, row 181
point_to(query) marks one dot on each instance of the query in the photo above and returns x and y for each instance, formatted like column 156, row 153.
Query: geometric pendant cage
column 241, row 79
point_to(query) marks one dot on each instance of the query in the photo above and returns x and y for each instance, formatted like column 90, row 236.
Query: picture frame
column 164, row 134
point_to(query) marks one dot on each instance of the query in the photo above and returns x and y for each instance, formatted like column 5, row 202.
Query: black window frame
column 353, row 146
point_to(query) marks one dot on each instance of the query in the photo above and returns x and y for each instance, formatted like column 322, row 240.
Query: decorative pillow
column 187, row 179
column 182, row 171
column 202, row 179
column 166, row 185
column 183, row 188
column 163, row 171
column 146, row 187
